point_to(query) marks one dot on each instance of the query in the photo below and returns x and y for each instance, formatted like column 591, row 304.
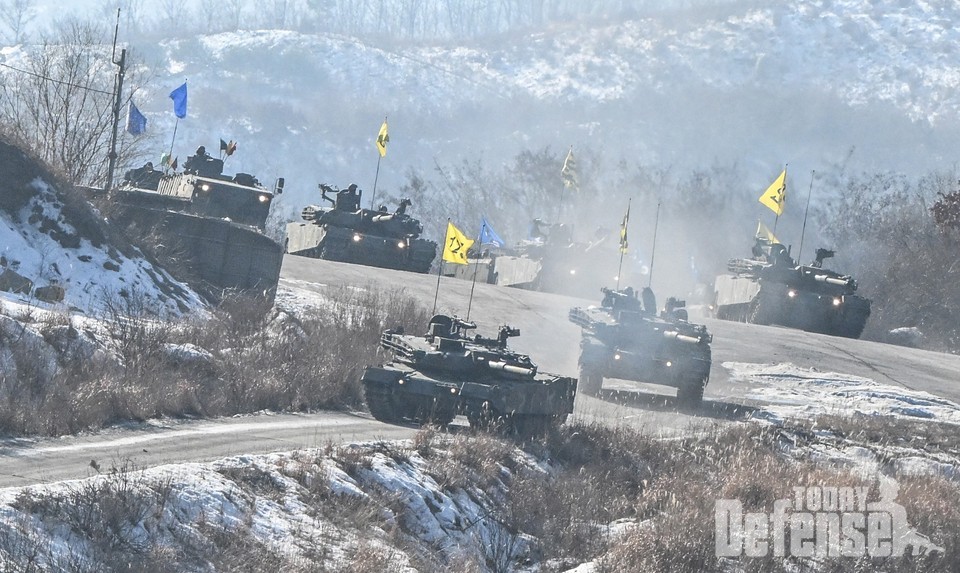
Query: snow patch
column 788, row 391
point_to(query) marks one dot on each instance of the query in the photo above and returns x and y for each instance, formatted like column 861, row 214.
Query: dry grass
column 548, row 509
column 259, row 359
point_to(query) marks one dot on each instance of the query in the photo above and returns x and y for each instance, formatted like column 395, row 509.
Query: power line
column 56, row 81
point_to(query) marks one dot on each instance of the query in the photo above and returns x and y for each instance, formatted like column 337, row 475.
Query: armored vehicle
column 552, row 261
column 624, row 338
column 345, row 232
column 771, row 288
column 212, row 224
column 446, row 372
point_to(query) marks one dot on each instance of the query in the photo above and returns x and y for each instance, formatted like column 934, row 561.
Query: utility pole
column 117, row 96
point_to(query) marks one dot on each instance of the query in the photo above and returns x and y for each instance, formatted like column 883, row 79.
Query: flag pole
column 619, row 269
column 476, row 266
column 436, row 294
column 560, row 203
column 376, row 177
column 170, row 159
column 803, row 230
column 653, row 250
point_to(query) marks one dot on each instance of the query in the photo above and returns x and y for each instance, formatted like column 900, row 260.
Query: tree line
column 383, row 19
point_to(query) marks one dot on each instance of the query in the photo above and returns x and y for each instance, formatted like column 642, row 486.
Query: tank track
column 380, row 402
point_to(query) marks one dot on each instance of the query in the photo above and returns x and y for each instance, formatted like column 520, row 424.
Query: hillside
column 794, row 82
column 50, row 236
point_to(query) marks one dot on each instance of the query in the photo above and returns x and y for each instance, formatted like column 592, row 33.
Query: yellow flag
column 624, row 244
column 382, row 139
column 775, row 197
column 455, row 245
column 763, row 232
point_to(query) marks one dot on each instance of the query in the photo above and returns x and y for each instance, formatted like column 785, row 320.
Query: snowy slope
column 91, row 275
column 762, row 85
column 418, row 504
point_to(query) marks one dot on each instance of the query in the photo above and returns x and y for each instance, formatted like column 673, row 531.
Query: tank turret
column 625, row 338
column 447, row 371
column 344, row 231
column 771, row 288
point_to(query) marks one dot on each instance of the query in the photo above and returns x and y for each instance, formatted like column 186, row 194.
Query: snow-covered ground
column 40, row 244
column 786, row 391
column 400, row 495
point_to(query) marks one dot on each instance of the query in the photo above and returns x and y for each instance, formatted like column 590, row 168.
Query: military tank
column 552, row 261
column 771, row 288
column 210, row 224
column 446, row 372
column 345, row 232
column 625, row 338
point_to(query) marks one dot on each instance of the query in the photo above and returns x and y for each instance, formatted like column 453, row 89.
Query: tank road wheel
column 853, row 324
column 381, row 404
column 590, row 381
column 429, row 412
column 759, row 312
column 690, row 393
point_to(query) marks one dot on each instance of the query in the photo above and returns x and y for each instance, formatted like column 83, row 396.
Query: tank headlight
column 401, row 245
column 205, row 187
column 573, row 271
column 400, row 381
column 264, row 198
column 356, row 237
column 669, row 364
column 836, row 301
column 616, row 356
column 453, row 390
column 792, row 293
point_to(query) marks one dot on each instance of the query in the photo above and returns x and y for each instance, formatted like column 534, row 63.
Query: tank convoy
column 771, row 288
column 445, row 372
column 345, row 232
column 212, row 222
column 624, row 338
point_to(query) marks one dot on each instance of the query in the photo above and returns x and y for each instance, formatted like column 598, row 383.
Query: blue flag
column 136, row 121
column 179, row 97
column 488, row 236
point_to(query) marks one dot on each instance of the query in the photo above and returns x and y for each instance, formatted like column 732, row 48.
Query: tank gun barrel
column 674, row 335
column 459, row 323
column 501, row 366
column 833, row 280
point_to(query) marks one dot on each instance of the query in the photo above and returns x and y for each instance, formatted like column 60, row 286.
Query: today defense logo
column 821, row 522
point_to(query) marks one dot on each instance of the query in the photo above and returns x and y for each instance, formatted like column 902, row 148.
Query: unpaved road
column 546, row 335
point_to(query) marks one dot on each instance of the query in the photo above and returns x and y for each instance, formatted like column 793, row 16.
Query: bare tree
column 233, row 13
column 174, row 13
column 16, row 16
column 61, row 101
